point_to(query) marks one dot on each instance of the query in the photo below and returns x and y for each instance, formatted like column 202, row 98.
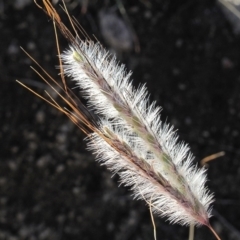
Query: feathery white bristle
column 148, row 156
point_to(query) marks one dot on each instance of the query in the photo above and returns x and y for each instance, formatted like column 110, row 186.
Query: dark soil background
column 50, row 185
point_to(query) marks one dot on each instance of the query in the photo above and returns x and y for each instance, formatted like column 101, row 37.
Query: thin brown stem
column 213, row 231
column 211, row 157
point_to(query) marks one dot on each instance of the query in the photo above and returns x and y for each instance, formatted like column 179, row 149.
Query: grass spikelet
column 130, row 139
column 108, row 89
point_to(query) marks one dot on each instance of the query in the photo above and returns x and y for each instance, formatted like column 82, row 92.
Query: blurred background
column 187, row 53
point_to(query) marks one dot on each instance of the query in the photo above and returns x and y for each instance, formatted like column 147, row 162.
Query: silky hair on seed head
column 130, row 139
